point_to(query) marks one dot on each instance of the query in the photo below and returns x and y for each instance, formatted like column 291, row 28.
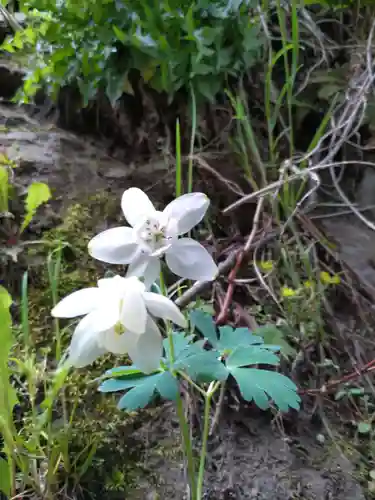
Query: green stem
column 206, row 430
column 188, row 450
column 186, row 441
column 193, row 384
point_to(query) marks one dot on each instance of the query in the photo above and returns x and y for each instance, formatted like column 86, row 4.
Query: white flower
column 117, row 319
column 154, row 234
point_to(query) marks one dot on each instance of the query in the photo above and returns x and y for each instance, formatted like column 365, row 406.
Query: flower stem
column 188, row 450
column 206, row 429
column 186, row 441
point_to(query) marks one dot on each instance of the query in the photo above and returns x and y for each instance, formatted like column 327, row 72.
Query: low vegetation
column 295, row 84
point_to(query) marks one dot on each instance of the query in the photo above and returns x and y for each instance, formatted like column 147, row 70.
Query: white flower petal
column 147, row 352
column 151, row 272
column 189, row 259
column 84, row 349
column 110, row 284
column 77, row 303
column 138, row 265
column 116, row 286
column 162, row 307
column 115, row 246
column 188, row 210
column 136, row 206
column 99, row 320
column 118, row 344
column 133, row 310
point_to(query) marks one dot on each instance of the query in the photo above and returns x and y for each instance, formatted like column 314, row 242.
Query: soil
column 249, row 458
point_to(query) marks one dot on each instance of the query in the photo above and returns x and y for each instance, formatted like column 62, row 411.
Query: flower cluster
column 119, row 314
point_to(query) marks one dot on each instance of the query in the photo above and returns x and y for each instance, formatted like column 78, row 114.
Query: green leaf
column 120, row 34
column 120, row 384
column 138, row 397
column 191, row 350
column 328, row 91
column 203, row 366
column 201, row 69
column 5, row 477
column 4, row 189
column 271, row 334
column 205, row 324
column 155, row 288
column 364, row 427
column 5, row 302
column 167, row 386
column 180, row 343
column 37, row 194
column 6, row 338
column 8, row 395
column 115, row 86
column 251, row 355
column 262, row 385
column 123, row 371
column 141, row 388
column 230, row 338
column 208, row 87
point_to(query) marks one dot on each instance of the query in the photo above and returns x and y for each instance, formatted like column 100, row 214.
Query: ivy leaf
column 231, row 338
column 203, row 322
column 251, row 355
column 271, row 334
column 5, row 483
column 263, row 385
column 204, row 366
column 37, row 194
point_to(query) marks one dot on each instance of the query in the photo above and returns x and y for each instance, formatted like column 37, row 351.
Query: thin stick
column 223, row 315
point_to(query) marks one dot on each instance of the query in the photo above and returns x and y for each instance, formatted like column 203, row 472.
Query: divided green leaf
column 138, row 397
column 204, row 323
column 180, row 341
column 251, row 355
column 271, row 334
column 141, row 388
column 204, row 366
column 231, row 338
column 261, row 386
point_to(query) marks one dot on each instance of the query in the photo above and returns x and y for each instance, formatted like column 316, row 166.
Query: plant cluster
column 12, row 225
column 121, row 316
column 173, row 45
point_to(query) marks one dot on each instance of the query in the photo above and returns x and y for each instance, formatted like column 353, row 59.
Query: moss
column 77, row 268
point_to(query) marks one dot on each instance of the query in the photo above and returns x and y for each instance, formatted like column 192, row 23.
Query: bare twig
column 222, row 317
